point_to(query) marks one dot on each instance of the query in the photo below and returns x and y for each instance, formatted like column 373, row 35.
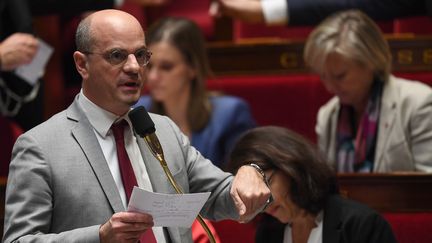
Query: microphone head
column 141, row 121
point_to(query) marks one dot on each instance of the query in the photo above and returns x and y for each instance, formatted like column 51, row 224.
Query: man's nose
column 131, row 64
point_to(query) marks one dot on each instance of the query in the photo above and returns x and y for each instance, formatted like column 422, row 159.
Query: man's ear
column 81, row 64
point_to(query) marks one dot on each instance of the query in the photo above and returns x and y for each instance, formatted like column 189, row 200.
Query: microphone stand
column 153, row 143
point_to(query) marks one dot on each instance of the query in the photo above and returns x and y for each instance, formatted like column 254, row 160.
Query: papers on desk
column 35, row 69
column 168, row 210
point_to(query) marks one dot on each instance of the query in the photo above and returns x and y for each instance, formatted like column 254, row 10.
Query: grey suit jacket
column 404, row 139
column 60, row 188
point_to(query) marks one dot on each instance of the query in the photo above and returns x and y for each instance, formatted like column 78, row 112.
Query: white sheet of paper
column 168, row 210
column 35, row 69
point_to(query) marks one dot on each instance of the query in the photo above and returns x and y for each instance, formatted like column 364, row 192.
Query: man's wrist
column 259, row 170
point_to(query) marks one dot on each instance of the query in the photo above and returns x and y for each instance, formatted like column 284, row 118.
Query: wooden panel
column 278, row 56
column 405, row 192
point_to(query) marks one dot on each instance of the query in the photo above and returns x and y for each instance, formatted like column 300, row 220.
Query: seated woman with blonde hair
column 376, row 122
column 306, row 206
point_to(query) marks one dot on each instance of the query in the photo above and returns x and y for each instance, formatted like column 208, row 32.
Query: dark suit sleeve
column 310, row 12
column 382, row 231
column 43, row 7
column 19, row 15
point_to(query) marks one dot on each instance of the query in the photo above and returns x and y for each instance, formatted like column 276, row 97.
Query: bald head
column 102, row 23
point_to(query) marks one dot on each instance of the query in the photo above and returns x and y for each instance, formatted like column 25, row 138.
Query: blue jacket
column 230, row 117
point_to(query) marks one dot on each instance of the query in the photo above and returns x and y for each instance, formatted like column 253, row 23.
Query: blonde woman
column 376, row 122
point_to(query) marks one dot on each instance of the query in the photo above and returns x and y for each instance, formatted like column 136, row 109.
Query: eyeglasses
column 119, row 56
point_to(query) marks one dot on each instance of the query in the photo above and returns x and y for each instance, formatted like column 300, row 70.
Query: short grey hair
column 353, row 35
column 83, row 39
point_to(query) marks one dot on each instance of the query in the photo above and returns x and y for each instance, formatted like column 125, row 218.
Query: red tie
column 126, row 171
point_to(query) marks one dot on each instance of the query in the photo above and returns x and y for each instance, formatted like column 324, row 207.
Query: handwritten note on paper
column 168, row 210
column 35, row 69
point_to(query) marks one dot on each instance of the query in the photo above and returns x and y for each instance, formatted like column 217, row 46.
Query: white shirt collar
column 99, row 118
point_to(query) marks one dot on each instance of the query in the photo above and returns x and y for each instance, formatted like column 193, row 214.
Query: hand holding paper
column 35, row 69
column 168, row 210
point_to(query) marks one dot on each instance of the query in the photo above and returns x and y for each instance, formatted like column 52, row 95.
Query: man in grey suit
column 64, row 182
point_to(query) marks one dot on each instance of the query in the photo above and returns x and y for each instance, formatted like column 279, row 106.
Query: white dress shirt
column 101, row 120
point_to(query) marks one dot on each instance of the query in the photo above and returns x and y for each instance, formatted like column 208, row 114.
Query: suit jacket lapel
column 156, row 174
column 158, row 180
column 332, row 139
column 389, row 104
column 84, row 135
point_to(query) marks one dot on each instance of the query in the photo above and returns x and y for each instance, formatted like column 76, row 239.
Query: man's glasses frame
column 119, row 56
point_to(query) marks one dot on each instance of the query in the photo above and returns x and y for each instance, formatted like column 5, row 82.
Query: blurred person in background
column 19, row 100
column 176, row 78
column 376, row 122
column 306, row 205
column 310, row 12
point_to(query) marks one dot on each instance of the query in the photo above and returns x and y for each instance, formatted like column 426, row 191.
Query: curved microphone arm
column 155, row 147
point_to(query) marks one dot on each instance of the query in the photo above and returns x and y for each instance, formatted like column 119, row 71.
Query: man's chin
column 132, row 102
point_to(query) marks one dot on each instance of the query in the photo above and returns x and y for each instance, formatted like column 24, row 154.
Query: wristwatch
column 261, row 171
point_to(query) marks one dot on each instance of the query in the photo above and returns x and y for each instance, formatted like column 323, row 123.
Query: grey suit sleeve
column 204, row 176
column 310, row 12
column 30, row 200
column 421, row 132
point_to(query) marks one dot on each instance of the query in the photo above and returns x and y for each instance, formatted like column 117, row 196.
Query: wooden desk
column 283, row 56
column 408, row 192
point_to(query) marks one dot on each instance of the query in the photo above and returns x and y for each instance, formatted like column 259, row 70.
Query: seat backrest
column 242, row 30
column 191, row 9
column 291, row 101
column 419, row 25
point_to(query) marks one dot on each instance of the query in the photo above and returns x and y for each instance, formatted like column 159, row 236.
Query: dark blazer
column 345, row 221
column 309, row 12
column 15, row 17
column 42, row 7
column 230, row 118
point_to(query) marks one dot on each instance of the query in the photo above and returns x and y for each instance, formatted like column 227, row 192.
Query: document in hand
column 35, row 69
column 168, row 210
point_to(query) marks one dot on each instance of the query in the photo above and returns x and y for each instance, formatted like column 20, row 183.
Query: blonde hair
column 353, row 35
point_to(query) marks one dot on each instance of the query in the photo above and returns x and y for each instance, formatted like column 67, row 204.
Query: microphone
column 145, row 128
